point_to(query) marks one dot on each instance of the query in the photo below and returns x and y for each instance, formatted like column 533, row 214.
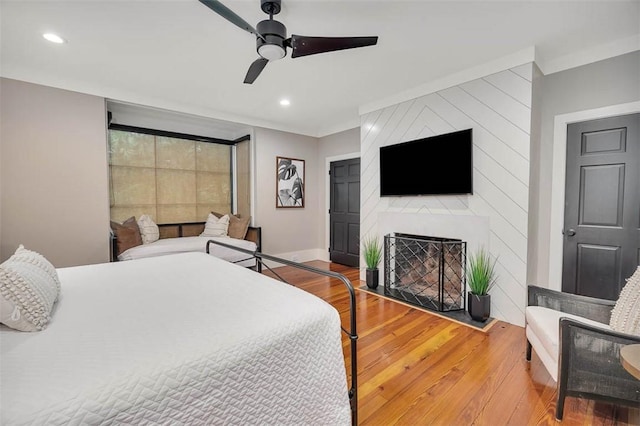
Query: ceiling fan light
column 271, row 52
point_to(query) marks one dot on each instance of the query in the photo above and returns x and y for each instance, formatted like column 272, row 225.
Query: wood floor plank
column 481, row 369
column 493, row 410
column 540, row 408
column 433, row 372
column 415, row 368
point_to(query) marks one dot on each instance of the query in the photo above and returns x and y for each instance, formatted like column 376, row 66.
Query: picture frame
column 290, row 191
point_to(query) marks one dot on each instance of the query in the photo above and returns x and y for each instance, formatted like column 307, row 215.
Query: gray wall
column 296, row 232
column 286, row 230
column 610, row 82
column 49, row 137
column 54, row 178
column 338, row 144
column 54, row 193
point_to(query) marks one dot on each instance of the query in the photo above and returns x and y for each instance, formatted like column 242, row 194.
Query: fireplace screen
column 425, row 271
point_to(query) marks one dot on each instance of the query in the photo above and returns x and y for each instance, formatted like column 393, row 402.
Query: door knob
column 569, row 232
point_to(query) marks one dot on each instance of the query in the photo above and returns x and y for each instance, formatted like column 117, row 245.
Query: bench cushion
column 544, row 325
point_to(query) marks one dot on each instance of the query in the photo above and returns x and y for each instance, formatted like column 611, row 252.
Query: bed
column 180, row 339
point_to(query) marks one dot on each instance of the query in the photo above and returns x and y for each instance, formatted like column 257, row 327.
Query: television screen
column 436, row 165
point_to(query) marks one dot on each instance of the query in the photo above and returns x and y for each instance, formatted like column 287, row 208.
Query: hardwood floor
column 415, row 368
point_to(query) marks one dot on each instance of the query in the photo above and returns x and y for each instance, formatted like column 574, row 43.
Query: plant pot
column 479, row 306
column 372, row 278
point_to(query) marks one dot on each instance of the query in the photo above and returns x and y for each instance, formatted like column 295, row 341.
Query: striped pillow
column 216, row 227
column 625, row 316
column 29, row 286
column 148, row 229
column 238, row 226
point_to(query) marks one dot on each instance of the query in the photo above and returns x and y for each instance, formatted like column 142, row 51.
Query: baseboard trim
column 297, row 256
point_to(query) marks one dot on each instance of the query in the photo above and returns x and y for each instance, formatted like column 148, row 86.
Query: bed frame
column 193, row 229
column 351, row 333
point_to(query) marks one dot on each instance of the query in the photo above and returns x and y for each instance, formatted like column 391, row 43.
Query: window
column 172, row 180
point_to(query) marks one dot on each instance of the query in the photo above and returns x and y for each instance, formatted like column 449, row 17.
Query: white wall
column 533, row 251
column 54, row 193
column 288, row 232
column 498, row 109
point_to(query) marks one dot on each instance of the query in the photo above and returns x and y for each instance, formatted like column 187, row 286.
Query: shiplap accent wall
column 498, row 109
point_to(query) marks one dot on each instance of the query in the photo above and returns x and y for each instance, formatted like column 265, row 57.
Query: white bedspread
column 182, row 339
column 166, row 246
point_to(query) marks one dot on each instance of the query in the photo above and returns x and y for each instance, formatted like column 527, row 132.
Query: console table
column 630, row 359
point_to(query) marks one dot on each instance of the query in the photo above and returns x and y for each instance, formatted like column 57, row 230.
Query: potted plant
column 372, row 252
column 481, row 277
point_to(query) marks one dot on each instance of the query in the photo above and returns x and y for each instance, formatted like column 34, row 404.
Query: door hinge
column 329, row 172
column 329, row 211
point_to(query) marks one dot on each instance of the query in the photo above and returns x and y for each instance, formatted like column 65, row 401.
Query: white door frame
column 558, row 177
column 327, row 198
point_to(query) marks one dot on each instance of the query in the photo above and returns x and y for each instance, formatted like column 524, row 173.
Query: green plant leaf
column 372, row 252
column 481, row 275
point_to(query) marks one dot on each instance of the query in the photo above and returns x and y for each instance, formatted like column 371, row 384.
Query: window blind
column 172, row 180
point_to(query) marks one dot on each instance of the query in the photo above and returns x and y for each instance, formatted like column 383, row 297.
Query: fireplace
column 425, row 271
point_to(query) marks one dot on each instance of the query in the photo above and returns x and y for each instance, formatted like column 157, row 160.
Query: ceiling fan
column 271, row 41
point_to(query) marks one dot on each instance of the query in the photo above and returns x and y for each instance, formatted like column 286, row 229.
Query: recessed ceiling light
column 285, row 102
column 53, row 38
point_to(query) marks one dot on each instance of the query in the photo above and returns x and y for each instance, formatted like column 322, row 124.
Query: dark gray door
column 602, row 206
column 344, row 212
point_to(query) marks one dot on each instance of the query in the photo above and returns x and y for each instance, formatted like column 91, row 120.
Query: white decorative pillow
column 148, row 229
column 216, row 227
column 29, row 286
column 625, row 316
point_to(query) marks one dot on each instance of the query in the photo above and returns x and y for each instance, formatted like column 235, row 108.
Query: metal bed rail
column 351, row 333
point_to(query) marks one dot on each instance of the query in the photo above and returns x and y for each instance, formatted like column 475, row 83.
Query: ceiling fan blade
column 230, row 16
column 255, row 69
column 304, row 46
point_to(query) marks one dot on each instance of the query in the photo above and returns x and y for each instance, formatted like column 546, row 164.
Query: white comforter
column 182, row 339
column 193, row 244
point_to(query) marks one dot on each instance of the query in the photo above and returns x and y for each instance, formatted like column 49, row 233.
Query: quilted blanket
column 181, row 339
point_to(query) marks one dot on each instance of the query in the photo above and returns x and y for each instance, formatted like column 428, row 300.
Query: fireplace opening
column 426, row 271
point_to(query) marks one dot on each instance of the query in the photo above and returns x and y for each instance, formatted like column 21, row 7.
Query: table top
column 630, row 359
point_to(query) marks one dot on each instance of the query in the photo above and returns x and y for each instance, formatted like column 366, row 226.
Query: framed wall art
column 289, row 183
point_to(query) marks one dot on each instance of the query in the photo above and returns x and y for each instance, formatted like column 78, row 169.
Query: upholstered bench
column 185, row 237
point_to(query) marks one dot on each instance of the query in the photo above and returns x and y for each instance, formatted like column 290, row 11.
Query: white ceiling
column 179, row 55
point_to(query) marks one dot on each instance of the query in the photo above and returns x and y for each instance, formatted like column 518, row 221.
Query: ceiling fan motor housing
column 274, row 33
column 271, row 7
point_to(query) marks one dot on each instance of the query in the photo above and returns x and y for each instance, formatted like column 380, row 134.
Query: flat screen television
column 435, row 165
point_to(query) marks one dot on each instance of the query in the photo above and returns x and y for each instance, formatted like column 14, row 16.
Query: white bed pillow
column 216, row 227
column 625, row 316
column 29, row 286
column 149, row 231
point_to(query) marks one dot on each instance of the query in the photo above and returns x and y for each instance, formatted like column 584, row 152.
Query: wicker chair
column 587, row 352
